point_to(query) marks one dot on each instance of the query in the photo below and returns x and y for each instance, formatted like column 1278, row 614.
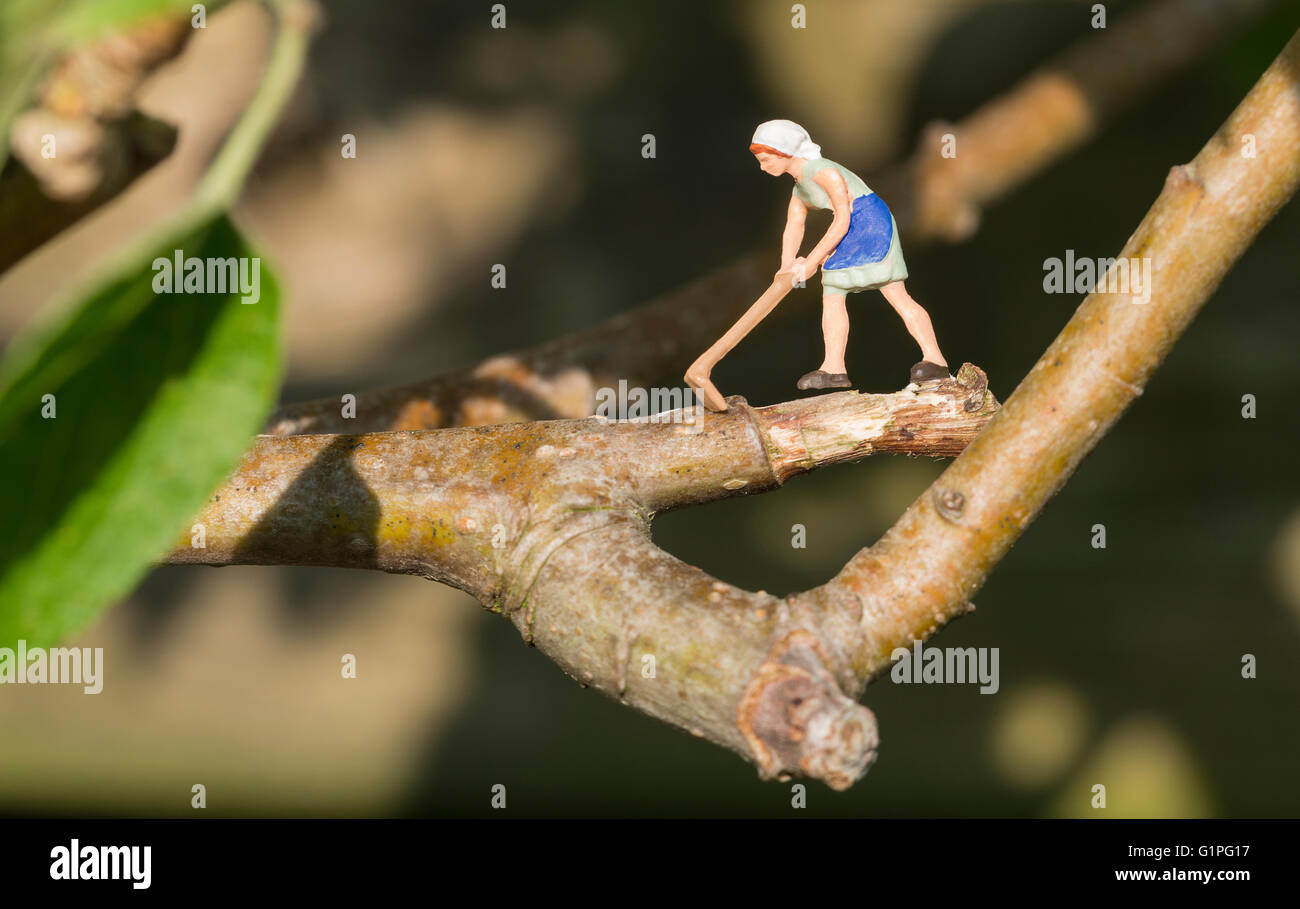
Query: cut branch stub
column 795, row 717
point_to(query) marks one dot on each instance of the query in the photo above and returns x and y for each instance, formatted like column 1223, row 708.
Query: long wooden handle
column 698, row 375
column 774, row 294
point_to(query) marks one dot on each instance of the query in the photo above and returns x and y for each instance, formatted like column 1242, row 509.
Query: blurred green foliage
column 117, row 419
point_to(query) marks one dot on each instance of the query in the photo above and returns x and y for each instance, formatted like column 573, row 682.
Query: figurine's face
column 771, row 164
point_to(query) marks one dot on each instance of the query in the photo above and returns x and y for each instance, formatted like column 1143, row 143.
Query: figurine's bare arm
column 795, row 217
column 838, row 191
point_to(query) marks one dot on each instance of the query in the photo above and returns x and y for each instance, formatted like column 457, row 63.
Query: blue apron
column 871, row 232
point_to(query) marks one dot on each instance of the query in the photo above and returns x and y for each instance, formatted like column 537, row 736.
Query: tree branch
column 1055, row 110
column 548, row 523
column 426, row 502
column 924, row 571
column 1001, row 145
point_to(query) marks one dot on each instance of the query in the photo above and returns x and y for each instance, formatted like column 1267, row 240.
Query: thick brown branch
column 549, row 523
column 433, row 502
column 1000, row 146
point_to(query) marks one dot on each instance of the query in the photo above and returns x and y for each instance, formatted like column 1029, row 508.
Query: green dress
column 870, row 255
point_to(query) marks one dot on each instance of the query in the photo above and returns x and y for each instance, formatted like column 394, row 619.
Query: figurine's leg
column 916, row 319
column 835, row 333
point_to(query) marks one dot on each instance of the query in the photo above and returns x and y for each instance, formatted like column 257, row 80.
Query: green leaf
column 156, row 397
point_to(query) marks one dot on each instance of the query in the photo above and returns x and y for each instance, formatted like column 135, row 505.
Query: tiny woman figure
column 860, row 250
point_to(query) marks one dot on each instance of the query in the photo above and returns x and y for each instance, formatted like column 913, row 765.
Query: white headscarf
column 788, row 137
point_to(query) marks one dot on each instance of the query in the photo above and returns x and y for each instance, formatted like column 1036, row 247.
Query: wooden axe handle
column 698, row 375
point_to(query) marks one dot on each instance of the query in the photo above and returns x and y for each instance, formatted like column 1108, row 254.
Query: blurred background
column 523, row 146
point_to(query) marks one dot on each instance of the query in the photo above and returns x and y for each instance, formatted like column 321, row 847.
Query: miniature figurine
column 860, row 251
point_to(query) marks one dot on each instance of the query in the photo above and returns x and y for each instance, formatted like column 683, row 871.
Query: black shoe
column 819, row 379
column 925, row 371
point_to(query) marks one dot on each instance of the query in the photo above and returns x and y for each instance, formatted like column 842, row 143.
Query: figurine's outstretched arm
column 838, row 191
column 795, row 218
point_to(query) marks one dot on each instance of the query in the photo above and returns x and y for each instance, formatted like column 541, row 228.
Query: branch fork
column 548, row 523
